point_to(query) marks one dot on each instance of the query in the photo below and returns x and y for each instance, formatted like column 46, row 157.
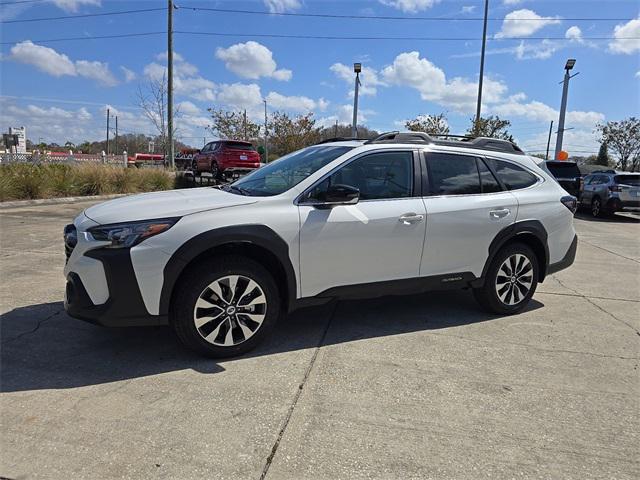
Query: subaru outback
column 402, row 213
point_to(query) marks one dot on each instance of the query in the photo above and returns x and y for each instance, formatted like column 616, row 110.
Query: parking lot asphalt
column 423, row 386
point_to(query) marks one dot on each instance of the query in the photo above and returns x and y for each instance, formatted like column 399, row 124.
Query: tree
column 430, row 124
column 233, row 125
column 492, row 126
column 152, row 99
column 344, row 131
column 288, row 134
column 623, row 139
column 603, row 156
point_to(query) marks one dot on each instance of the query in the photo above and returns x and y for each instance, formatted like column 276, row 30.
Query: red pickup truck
column 226, row 158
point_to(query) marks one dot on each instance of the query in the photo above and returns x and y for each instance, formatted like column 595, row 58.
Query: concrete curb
column 55, row 201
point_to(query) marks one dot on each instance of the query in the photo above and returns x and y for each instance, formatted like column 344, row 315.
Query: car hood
column 171, row 203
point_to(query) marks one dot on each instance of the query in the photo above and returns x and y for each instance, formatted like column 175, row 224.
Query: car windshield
column 563, row 170
column 279, row 176
column 633, row 180
column 238, row 146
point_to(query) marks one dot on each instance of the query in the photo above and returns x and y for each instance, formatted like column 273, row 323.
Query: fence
column 69, row 158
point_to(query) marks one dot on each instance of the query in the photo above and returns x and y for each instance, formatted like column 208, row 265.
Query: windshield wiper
column 240, row 190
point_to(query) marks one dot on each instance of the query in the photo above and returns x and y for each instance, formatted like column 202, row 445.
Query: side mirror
column 338, row 195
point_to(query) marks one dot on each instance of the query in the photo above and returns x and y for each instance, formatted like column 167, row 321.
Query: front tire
column 226, row 307
column 510, row 282
column 596, row 208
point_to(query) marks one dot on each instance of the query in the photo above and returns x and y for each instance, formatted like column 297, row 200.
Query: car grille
column 70, row 239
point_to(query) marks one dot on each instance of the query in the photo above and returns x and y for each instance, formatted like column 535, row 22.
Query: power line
column 100, row 37
column 2, row 4
column 389, row 17
column 84, row 15
column 309, row 37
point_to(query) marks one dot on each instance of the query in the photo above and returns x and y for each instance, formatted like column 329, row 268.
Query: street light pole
column 115, row 150
column 108, row 131
column 484, row 44
column 546, row 157
column 563, row 105
column 357, row 68
column 170, row 81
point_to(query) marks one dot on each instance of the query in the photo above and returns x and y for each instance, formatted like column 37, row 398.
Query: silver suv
column 607, row 191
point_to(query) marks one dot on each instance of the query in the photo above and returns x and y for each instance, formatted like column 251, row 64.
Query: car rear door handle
column 500, row 213
column 409, row 218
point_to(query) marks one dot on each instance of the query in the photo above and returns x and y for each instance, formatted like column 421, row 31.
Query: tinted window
column 238, row 146
column 287, row 171
column 513, row 176
column 207, row 147
column 377, row 176
column 487, row 180
column 453, row 174
column 633, row 180
column 564, row 169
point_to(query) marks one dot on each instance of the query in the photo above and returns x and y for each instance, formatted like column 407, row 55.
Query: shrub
column 27, row 181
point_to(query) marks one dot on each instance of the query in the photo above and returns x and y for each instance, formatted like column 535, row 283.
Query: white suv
column 403, row 213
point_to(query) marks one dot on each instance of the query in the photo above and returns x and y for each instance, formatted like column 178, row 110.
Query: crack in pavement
column 596, row 305
column 586, row 296
column 296, row 397
column 609, row 251
column 40, row 323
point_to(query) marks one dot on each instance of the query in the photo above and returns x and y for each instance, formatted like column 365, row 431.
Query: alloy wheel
column 514, row 279
column 230, row 310
column 595, row 207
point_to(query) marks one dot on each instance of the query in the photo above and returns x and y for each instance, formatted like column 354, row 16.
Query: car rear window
column 633, row 180
column 563, row 170
column 238, row 146
column 513, row 176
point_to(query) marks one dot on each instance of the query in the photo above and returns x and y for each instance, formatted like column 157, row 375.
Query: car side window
column 453, row 174
column 378, row 176
column 513, row 176
column 588, row 179
column 488, row 182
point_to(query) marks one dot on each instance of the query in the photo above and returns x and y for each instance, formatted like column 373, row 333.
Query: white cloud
column 574, row 34
column 188, row 108
column 410, row 6
column 186, row 80
column 295, row 103
column 280, row 6
column 536, row 51
column 368, row 77
column 459, row 94
column 129, row 75
column 637, row 74
column 517, row 23
column 540, row 112
column 57, row 64
column 468, row 9
column 510, row 3
column 74, row 5
column 622, row 33
column 240, row 95
column 251, row 60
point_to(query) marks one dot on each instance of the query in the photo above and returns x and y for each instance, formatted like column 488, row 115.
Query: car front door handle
column 409, row 218
column 500, row 213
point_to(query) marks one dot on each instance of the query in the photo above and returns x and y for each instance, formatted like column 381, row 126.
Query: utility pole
column 484, row 44
column 266, row 134
column 546, row 157
column 115, row 150
column 335, row 130
column 357, row 68
column 170, row 81
column 563, row 105
column 108, row 131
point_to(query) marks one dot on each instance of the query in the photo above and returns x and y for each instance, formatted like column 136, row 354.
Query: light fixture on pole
column 266, row 134
column 357, row 68
column 563, row 105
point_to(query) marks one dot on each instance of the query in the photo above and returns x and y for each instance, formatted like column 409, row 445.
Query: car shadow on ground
column 43, row 348
column 626, row 217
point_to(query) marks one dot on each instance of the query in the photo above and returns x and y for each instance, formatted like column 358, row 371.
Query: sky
column 427, row 62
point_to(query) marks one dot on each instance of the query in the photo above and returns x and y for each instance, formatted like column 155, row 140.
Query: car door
column 378, row 239
column 466, row 208
column 587, row 189
column 202, row 156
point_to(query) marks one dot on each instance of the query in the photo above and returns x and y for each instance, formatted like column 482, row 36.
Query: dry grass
column 27, row 181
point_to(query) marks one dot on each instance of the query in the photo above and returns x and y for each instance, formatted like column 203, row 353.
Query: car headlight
column 125, row 235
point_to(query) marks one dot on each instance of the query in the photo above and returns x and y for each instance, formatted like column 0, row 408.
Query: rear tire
column 227, row 306
column 596, row 208
column 215, row 171
column 510, row 282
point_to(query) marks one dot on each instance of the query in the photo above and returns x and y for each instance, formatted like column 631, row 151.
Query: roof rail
column 339, row 139
column 481, row 143
column 604, row 171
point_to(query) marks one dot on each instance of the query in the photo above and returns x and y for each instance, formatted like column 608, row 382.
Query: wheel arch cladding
column 257, row 242
column 530, row 232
